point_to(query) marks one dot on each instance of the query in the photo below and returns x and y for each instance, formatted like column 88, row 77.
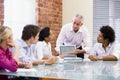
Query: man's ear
column 81, row 24
column 73, row 19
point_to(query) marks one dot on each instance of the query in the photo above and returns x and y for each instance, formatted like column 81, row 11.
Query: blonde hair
column 5, row 32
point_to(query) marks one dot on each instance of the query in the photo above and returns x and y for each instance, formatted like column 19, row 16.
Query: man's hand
column 77, row 51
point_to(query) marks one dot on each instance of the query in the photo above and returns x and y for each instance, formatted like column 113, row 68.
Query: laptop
column 65, row 50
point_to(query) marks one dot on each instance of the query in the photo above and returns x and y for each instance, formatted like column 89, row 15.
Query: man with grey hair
column 75, row 33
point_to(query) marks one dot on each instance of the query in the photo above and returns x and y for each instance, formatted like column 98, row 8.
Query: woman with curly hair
column 107, row 48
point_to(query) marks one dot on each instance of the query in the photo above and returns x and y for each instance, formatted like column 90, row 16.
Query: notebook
column 65, row 50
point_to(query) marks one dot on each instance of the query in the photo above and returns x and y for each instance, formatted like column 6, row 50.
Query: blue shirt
column 26, row 52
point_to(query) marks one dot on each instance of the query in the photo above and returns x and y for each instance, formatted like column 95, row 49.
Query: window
column 106, row 12
column 18, row 13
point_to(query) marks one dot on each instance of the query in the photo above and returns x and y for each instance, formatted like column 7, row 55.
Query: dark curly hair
column 29, row 31
column 108, row 33
column 45, row 32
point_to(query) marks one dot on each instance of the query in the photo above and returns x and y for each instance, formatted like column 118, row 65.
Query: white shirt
column 68, row 37
column 113, row 48
column 38, row 53
column 43, row 50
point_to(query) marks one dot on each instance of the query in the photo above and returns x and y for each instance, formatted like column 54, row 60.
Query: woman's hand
column 11, row 44
column 51, row 60
column 93, row 57
column 28, row 65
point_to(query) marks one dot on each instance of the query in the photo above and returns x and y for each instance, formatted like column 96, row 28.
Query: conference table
column 75, row 70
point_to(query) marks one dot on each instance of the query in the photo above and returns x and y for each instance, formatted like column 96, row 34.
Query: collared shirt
column 68, row 37
column 7, row 61
column 43, row 50
column 26, row 52
column 112, row 48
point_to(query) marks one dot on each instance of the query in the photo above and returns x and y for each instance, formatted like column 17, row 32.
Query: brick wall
column 49, row 13
column 1, row 11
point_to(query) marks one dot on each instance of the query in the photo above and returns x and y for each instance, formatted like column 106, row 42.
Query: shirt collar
column 107, row 46
column 45, row 43
column 24, row 43
column 3, row 49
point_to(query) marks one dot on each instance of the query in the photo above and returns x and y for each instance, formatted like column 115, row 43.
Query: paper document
column 26, row 70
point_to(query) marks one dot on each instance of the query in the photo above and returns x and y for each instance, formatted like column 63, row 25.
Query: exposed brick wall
column 1, row 11
column 49, row 13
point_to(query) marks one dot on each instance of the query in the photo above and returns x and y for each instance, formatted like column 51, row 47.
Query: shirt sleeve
column 50, row 50
column 60, row 39
column 32, row 56
column 38, row 51
column 86, row 41
column 7, row 62
column 93, row 50
column 116, row 50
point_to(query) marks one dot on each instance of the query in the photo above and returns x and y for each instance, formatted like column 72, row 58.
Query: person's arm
column 38, row 53
column 23, row 62
column 94, row 52
column 78, row 51
column 104, row 58
column 94, row 55
column 115, row 55
column 60, row 39
column 11, row 61
column 86, row 41
column 51, row 60
column 108, row 58
column 15, row 51
column 36, row 62
column 8, row 62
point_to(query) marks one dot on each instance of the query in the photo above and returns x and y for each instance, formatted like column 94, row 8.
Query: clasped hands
column 95, row 58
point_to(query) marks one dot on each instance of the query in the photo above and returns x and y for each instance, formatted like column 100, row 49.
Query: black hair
column 108, row 33
column 45, row 32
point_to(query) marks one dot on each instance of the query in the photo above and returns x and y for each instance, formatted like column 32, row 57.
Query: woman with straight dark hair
column 43, row 47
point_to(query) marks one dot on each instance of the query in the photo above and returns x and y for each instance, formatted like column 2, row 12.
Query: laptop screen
column 64, row 50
